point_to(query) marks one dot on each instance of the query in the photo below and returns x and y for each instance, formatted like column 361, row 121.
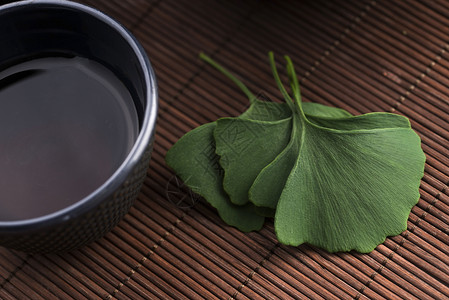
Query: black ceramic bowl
column 52, row 27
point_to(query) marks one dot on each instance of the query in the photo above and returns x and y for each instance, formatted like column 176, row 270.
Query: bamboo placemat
column 362, row 56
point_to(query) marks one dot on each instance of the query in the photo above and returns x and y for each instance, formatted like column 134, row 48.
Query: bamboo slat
column 362, row 56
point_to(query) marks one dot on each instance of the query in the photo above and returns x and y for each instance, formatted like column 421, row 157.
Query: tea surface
column 66, row 125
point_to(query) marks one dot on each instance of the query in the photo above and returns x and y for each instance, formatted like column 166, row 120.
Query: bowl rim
column 144, row 137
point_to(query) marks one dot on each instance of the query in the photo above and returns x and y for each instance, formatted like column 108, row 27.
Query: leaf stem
column 281, row 87
column 293, row 79
column 228, row 74
column 294, row 83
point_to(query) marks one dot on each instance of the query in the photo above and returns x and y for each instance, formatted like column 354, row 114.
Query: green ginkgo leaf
column 351, row 187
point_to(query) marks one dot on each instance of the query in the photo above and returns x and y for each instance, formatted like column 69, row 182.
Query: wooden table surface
column 359, row 55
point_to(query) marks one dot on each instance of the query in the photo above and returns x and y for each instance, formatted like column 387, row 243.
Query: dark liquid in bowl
column 66, row 125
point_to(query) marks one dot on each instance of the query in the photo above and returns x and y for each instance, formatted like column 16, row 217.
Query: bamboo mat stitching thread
column 147, row 256
column 329, row 50
column 421, row 77
column 15, row 271
column 146, row 13
column 255, row 271
column 382, row 266
column 428, row 208
column 220, row 47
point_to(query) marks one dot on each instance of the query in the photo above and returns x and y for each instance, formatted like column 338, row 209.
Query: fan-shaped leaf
column 350, row 186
